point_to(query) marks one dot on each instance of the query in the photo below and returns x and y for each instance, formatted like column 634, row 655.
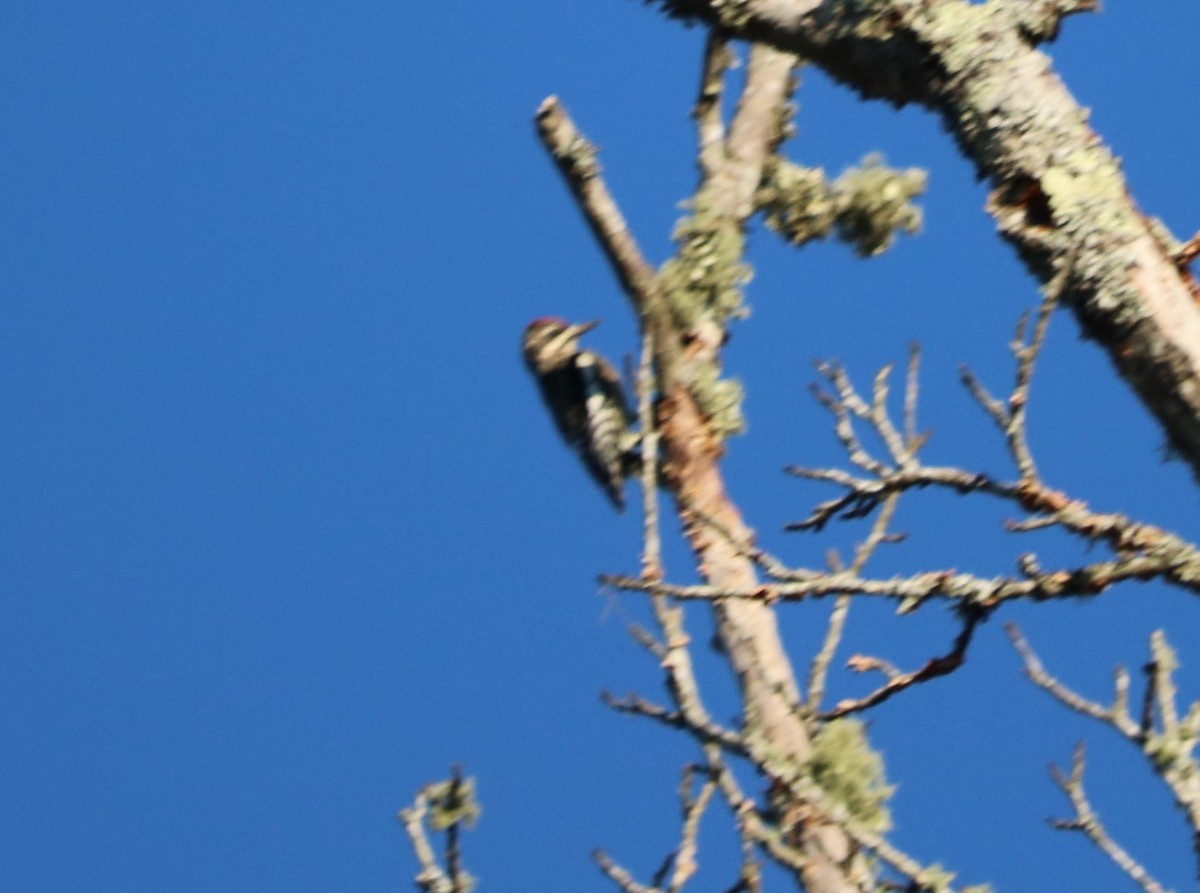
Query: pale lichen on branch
column 448, row 806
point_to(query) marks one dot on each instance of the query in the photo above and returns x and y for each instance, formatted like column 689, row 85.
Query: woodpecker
column 583, row 392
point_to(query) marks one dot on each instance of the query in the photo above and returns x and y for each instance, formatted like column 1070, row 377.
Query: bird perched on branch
column 584, row 395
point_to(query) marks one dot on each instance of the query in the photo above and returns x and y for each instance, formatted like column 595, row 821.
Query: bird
column 583, row 392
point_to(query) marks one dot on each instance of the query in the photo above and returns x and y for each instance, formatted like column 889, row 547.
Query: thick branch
column 1057, row 189
column 775, row 730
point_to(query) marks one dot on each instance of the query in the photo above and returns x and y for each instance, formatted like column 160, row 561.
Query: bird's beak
column 583, row 327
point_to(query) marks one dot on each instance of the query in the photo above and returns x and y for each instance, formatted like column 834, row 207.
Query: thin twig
column 681, row 864
column 700, row 728
column 684, row 863
column 1188, row 251
column 881, row 420
column 1087, row 822
column 819, row 670
column 1117, row 715
column 912, row 441
column 1026, row 353
column 647, row 640
column 898, row 682
column 619, row 875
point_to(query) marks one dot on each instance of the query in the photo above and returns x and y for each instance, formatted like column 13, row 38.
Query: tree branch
column 1087, row 822
column 448, row 806
column 686, row 324
column 1057, row 190
column 898, row 682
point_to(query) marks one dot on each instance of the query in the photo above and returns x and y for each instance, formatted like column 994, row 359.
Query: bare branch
column 819, row 671
column 1117, row 715
column 912, row 442
column 1169, row 749
column 865, row 494
column 1188, row 251
column 578, row 161
column 618, row 875
column 1011, row 418
column 1142, row 551
column 703, row 730
column 694, row 806
column 898, row 682
column 710, row 128
column 652, row 567
column 993, row 407
column 681, row 864
column 1087, row 821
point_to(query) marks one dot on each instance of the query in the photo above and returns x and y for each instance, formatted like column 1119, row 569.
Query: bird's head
column 550, row 341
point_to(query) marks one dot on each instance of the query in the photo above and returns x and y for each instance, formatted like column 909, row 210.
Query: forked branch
column 1166, row 739
column 1087, row 822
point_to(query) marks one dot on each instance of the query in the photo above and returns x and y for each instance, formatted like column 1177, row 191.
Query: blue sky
column 284, row 531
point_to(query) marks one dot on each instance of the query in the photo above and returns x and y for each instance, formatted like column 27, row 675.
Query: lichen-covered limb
column 447, row 806
column 750, row 638
column 686, row 328
column 1057, row 190
column 867, row 206
column 913, row 591
column 774, row 833
column 1087, row 822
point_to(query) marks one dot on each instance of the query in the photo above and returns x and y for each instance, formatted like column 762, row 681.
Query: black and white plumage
column 584, row 395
